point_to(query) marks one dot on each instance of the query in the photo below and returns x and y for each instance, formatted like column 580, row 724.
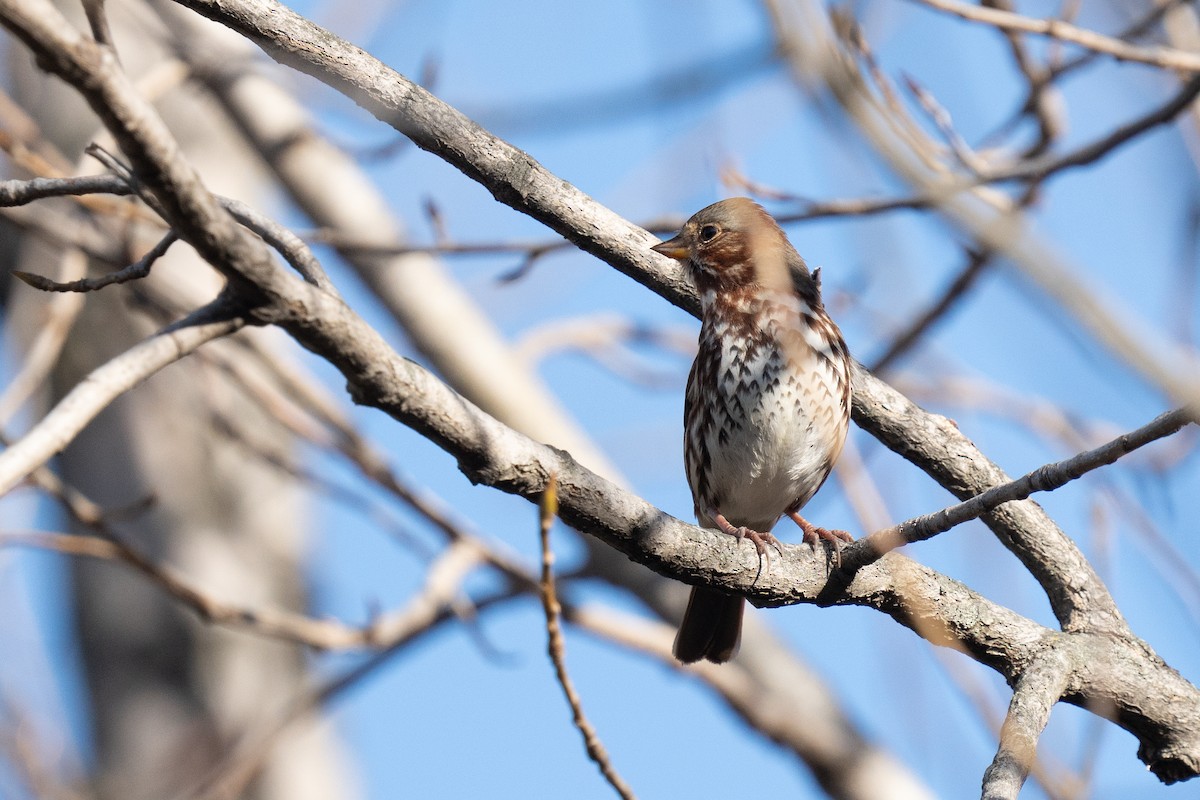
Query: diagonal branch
column 1163, row 711
column 108, row 381
column 511, row 175
column 935, row 444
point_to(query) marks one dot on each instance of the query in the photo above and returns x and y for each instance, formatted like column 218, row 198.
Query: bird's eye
column 708, row 233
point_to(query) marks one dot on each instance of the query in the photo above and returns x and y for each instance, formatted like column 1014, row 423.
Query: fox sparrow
column 768, row 397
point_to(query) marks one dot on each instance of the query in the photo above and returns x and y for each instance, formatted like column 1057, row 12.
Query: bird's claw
column 760, row 541
column 813, row 535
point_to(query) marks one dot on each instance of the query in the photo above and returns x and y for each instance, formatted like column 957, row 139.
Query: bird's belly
column 771, row 460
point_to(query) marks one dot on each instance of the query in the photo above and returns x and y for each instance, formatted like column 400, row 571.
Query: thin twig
column 423, row 613
column 1043, row 479
column 293, row 249
column 940, row 116
column 1166, row 57
column 135, row 271
column 17, row 193
column 1038, row 104
column 1040, row 169
column 548, row 509
column 335, row 431
column 810, row 210
column 977, row 261
column 270, row 623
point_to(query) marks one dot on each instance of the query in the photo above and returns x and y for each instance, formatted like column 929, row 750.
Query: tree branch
column 1034, row 695
column 1046, row 478
column 93, row 394
column 511, row 175
column 1166, row 57
column 930, row 442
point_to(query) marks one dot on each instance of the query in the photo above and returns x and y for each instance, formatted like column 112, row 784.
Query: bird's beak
column 673, row 248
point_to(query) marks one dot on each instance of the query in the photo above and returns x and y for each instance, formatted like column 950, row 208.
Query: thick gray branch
column 935, row 444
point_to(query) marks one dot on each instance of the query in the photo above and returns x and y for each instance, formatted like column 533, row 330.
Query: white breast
column 783, row 425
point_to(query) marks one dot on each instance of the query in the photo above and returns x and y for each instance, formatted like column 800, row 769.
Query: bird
column 767, row 404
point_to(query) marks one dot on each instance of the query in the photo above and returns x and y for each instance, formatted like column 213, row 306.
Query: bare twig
column 229, row 778
column 1040, row 102
column 1043, row 479
column 110, row 380
column 111, row 544
column 268, row 622
column 1165, row 57
column 977, row 262
column 135, row 271
column 941, row 119
column 291, row 247
column 532, row 251
column 555, row 646
column 1042, row 168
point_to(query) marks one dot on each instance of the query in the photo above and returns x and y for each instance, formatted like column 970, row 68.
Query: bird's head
column 735, row 244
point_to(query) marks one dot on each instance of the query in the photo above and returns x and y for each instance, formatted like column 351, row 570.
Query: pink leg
column 759, row 539
column 813, row 534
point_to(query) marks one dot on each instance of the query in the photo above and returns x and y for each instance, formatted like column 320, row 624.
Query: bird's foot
column 759, row 539
column 813, row 535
